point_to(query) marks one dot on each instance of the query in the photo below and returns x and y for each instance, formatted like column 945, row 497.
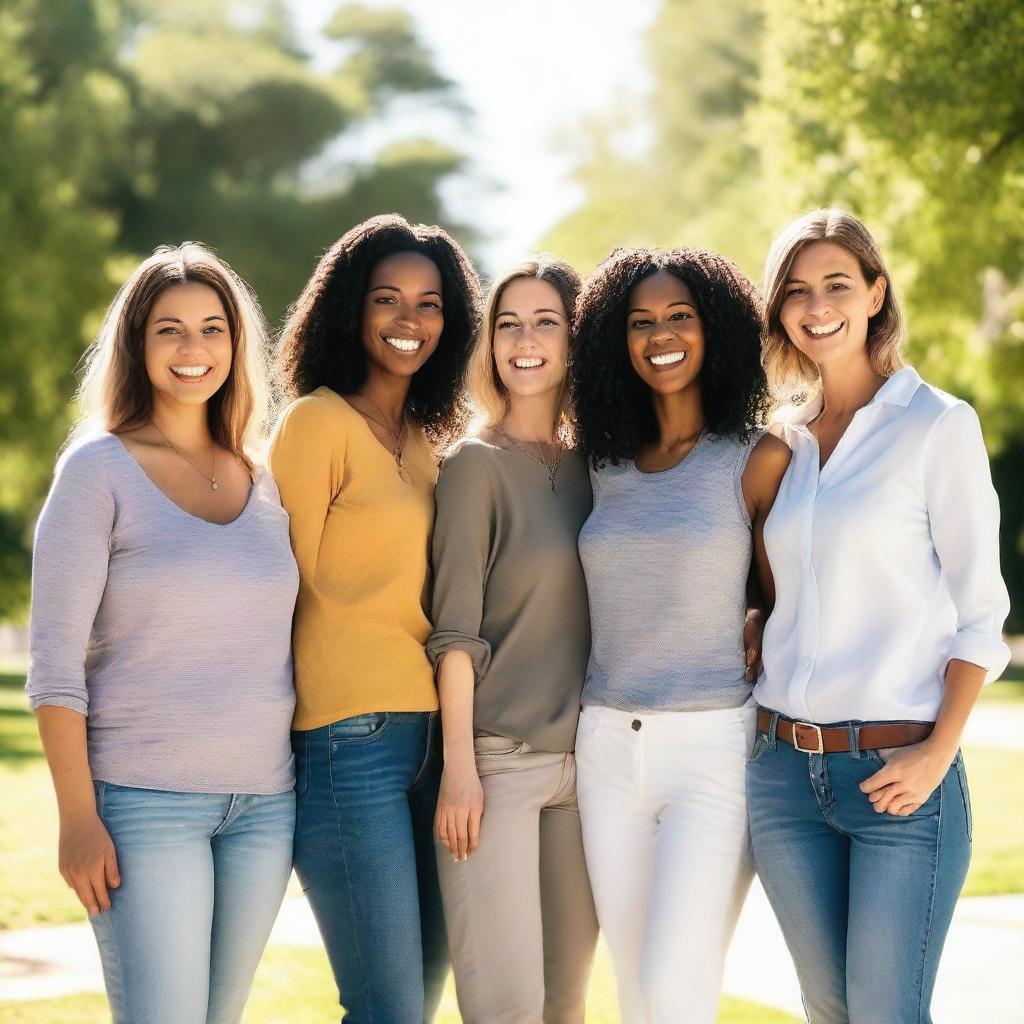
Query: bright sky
column 532, row 72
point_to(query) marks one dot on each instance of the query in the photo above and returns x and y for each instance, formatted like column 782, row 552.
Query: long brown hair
column 116, row 393
column 788, row 369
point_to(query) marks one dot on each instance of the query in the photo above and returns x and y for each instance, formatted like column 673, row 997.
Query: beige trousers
column 519, row 912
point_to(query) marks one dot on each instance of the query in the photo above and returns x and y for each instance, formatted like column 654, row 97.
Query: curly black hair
column 614, row 408
column 320, row 343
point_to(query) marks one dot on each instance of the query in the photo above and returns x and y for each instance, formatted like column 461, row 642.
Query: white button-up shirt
column 886, row 561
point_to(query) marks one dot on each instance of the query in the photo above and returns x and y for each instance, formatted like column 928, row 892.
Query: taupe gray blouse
column 509, row 588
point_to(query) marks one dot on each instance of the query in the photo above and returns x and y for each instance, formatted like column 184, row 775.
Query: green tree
column 125, row 124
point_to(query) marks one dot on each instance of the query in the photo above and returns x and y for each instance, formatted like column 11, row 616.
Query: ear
column 877, row 294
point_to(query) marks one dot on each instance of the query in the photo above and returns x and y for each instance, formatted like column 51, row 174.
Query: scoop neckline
column 172, row 503
column 655, row 474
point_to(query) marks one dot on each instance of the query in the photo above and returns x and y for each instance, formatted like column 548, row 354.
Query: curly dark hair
column 321, row 345
column 614, row 409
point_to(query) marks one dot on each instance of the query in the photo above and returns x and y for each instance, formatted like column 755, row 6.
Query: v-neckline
column 377, row 441
column 170, row 501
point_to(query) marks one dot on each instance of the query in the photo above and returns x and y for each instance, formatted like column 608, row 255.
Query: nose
column 818, row 301
column 661, row 332
column 408, row 314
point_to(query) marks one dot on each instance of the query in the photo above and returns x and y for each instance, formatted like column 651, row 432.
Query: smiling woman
column 374, row 354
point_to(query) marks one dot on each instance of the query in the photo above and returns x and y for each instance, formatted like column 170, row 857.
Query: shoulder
column 468, row 459
column 769, row 454
column 320, row 408
column 89, row 457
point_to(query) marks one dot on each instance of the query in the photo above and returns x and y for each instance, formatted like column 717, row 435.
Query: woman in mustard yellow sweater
column 373, row 355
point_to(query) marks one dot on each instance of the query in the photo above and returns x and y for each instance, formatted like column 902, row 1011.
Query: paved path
column 981, row 979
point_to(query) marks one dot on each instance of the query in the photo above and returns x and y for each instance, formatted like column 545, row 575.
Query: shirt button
column 636, row 725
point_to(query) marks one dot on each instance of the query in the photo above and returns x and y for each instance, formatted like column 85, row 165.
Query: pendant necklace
column 211, row 480
column 399, row 439
column 551, row 468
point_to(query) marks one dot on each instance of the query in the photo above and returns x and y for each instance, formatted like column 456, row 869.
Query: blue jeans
column 364, row 852
column 202, row 879
column 864, row 899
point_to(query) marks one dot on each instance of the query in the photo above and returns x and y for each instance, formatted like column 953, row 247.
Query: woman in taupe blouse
column 511, row 641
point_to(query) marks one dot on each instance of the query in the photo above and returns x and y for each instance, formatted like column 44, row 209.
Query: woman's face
column 531, row 337
column 403, row 315
column 827, row 303
column 187, row 346
column 664, row 333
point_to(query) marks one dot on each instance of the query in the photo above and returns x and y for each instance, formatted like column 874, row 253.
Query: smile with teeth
column 191, row 373
column 404, row 344
column 667, row 358
column 527, row 362
column 824, row 330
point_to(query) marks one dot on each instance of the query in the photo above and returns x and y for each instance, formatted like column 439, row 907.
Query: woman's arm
column 69, row 574
column 461, row 551
column 963, row 517
column 761, row 478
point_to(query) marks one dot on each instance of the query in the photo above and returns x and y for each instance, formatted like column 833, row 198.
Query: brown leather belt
column 813, row 739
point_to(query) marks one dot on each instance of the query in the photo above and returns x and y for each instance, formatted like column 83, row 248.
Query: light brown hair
column 788, row 369
column 486, row 390
column 116, row 393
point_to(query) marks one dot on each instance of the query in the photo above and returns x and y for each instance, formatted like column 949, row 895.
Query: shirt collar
column 899, row 389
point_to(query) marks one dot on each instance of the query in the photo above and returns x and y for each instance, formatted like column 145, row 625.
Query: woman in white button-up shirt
column 883, row 543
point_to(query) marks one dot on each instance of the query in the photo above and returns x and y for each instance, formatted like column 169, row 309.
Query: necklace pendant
column 214, row 485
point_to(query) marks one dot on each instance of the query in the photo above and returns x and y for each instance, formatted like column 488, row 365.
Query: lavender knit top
column 170, row 633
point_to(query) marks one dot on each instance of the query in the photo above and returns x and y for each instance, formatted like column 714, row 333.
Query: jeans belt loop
column 771, row 730
column 854, row 733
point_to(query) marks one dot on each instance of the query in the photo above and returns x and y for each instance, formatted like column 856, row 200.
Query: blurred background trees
column 128, row 123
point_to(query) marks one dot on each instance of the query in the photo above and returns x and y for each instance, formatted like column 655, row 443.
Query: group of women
column 347, row 660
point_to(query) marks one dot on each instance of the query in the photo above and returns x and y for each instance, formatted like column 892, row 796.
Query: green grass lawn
column 294, row 984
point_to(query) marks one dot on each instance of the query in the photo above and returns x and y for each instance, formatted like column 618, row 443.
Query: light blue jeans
column 864, row 899
column 202, row 878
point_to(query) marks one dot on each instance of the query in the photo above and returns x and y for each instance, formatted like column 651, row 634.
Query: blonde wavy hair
column 488, row 394
column 789, row 371
column 116, row 394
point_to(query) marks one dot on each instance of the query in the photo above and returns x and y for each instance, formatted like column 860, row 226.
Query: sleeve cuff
column 59, row 700
column 987, row 652
column 444, row 640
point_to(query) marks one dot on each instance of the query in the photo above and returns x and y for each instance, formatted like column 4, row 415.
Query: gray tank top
column 666, row 556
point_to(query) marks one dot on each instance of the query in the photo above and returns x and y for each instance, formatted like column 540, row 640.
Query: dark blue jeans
column 864, row 899
column 366, row 790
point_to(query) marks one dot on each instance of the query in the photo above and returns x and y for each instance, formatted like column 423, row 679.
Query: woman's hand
column 460, row 807
column 909, row 777
column 753, row 631
column 88, row 862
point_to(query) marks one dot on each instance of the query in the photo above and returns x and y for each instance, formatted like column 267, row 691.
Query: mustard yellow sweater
column 361, row 537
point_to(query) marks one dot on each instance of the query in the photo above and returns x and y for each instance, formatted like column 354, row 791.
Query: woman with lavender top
column 161, row 673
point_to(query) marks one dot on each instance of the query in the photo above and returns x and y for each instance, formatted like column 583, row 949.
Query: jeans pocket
column 965, row 793
column 589, row 725
column 359, row 728
column 759, row 747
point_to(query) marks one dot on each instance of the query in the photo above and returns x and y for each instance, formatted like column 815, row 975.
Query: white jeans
column 665, row 833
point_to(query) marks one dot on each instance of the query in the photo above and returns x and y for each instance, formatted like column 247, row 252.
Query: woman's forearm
column 63, row 735
column 455, row 686
column 963, row 684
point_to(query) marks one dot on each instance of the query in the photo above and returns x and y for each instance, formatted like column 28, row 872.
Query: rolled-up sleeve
column 462, row 551
column 963, row 515
column 69, row 573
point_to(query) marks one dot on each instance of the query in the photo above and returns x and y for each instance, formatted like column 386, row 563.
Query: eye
column 794, row 291
column 836, row 286
column 637, row 324
column 681, row 315
column 431, row 304
column 384, row 300
column 167, row 330
column 213, row 329
column 506, row 324
column 548, row 322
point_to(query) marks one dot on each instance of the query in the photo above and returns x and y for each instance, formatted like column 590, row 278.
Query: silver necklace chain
column 399, row 439
column 550, row 467
column 211, row 480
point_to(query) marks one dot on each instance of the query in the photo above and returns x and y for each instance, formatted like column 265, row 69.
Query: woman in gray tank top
column 670, row 397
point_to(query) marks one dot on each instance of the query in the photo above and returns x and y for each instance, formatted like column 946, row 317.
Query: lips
column 407, row 346
column 527, row 363
column 663, row 361
column 824, row 330
column 191, row 374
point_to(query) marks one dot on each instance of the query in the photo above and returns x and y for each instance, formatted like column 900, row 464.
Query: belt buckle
column 817, row 732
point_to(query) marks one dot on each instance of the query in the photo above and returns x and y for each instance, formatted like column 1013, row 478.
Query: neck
column 680, row 416
column 533, row 418
column 186, row 426
column 849, row 385
column 387, row 392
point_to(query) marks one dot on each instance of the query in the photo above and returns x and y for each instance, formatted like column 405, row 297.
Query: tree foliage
column 125, row 124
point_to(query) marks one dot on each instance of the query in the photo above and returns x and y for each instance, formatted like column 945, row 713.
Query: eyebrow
column 838, row 273
column 678, row 302
column 394, row 288
column 176, row 320
column 543, row 309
